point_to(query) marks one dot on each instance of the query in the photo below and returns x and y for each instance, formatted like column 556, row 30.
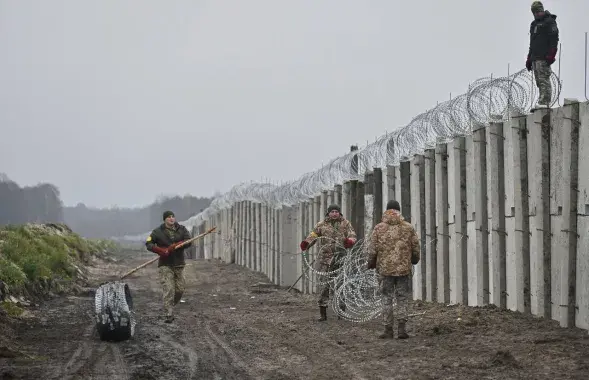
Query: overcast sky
column 116, row 101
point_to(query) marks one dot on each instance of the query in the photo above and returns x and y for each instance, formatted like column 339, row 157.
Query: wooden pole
column 157, row 258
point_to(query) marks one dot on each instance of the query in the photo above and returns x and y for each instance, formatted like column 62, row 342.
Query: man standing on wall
column 333, row 231
column 542, row 51
column 164, row 241
column 392, row 249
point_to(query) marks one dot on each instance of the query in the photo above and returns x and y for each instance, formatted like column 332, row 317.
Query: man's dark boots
column 323, row 312
column 402, row 333
column 388, row 333
column 343, row 307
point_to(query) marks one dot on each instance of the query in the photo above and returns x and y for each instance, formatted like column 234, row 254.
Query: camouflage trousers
column 325, row 288
column 173, row 284
column 395, row 288
column 542, row 73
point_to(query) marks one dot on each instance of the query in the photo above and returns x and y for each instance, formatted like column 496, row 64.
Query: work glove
column 304, row 245
column 163, row 252
column 414, row 260
column 551, row 57
column 529, row 63
column 174, row 245
column 349, row 243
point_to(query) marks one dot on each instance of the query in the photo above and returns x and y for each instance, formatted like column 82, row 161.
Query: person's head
column 394, row 205
column 334, row 211
column 169, row 218
column 537, row 9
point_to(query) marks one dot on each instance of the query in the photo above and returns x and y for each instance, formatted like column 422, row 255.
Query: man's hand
column 349, row 242
column 551, row 57
column 529, row 63
column 163, row 252
column 175, row 245
column 304, row 245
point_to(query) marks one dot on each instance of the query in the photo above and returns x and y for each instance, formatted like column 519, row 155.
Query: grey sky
column 117, row 101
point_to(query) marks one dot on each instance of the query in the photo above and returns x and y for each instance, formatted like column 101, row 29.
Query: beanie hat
column 394, row 205
column 333, row 207
column 167, row 214
column 537, row 6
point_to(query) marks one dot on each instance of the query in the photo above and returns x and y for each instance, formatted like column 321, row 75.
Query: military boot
column 388, row 332
column 343, row 308
column 323, row 312
column 402, row 334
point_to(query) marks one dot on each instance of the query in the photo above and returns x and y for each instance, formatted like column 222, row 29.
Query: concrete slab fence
column 502, row 214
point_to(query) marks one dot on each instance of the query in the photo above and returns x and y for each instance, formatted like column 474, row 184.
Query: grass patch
column 33, row 253
column 11, row 309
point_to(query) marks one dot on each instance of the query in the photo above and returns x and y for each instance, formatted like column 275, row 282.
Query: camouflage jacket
column 392, row 245
column 331, row 235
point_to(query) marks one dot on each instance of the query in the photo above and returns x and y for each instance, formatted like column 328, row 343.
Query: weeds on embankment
column 41, row 258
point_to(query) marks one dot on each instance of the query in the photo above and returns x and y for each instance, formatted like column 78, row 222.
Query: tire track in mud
column 188, row 353
column 92, row 357
column 338, row 357
column 235, row 358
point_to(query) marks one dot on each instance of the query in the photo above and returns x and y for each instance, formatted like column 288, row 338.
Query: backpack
column 115, row 319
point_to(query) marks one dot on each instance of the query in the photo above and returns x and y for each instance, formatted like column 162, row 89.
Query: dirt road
column 228, row 329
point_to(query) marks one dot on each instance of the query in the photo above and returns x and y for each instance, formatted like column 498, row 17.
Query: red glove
column 529, row 63
column 349, row 243
column 551, row 57
column 304, row 245
column 174, row 246
column 163, row 252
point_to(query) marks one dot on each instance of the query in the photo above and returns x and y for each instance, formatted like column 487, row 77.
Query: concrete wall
column 502, row 214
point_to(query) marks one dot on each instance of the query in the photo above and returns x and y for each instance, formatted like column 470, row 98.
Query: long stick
column 157, row 258
column 298, row 279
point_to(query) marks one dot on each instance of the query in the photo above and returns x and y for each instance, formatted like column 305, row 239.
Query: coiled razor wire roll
column 351, row 284
column 113, row 304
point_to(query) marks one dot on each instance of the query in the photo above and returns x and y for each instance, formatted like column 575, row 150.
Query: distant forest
column 42, row 204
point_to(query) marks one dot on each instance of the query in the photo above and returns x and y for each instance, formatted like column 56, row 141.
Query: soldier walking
column 334, row 231
column 542, row 51
column 163, row 240
column 392, row 249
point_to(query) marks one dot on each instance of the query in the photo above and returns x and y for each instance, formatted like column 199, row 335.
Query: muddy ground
column 228, row 329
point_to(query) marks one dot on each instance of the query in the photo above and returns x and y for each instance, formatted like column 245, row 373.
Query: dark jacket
column 164, row 237
column 543, row 36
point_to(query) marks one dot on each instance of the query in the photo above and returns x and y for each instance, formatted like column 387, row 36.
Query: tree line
column 36, row 204
column 42, row 204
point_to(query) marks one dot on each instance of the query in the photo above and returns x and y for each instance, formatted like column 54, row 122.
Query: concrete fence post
column 368, row 204
column 360, row 209
column 457, row 215
column 496, row 214
column 418, row 220
column 377, row 208
column 290, row 264
column 582, row 265
column 431, row 234
column 337, row 196
column 442, row 224
column 391, row 193
column 476, row 219
column 539, row 187
column 564, row 164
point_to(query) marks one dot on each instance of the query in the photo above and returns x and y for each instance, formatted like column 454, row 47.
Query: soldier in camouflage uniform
column 332, row 232
column 163, row 241
column 392, row 249
column 542, row 51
